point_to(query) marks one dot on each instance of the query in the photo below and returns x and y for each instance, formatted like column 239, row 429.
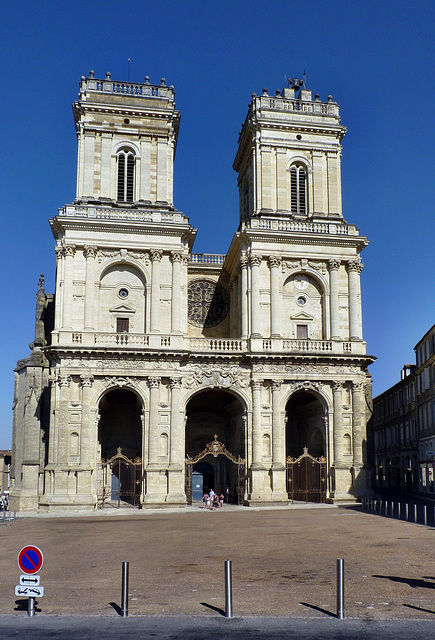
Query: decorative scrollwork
column 215, row 448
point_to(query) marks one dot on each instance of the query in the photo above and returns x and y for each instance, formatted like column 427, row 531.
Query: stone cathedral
column 157, row 373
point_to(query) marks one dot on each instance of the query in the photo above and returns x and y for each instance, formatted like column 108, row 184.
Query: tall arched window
column 298, row 188
column 125, row 175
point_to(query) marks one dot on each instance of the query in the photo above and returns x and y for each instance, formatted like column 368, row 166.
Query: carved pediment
column 122, row 308
column 302, row 316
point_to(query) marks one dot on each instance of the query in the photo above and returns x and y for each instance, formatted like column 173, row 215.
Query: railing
column 307, row 345
column 277, row 103
column 333, row 228
column 216, row 344
column 157, row 341
column 145, row 90
column 121, row 339
column 111, row 213
column 207, row 258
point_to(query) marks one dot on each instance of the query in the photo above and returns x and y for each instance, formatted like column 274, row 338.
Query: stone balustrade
column 331, row 228
column 130, row 215
column 90, row 339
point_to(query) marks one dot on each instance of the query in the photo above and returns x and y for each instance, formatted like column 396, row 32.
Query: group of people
column 212, row 500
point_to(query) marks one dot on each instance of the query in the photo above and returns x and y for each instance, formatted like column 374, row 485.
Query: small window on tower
column 125, row 175
column 298, row 188
column 121, row 325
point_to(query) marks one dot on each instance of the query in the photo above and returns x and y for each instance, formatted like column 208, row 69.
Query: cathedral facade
column 157, row 373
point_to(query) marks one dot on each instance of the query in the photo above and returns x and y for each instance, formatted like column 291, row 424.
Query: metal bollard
column 407, row 512
column 228, row 590
column 340, row 588
column 425, row 514
column 415, row 513
column 399, row 510
column 124, row 594
column 31, row 607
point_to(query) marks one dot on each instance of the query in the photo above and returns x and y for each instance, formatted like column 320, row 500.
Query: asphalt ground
column 283, row 564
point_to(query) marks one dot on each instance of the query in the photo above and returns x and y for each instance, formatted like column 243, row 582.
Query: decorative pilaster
column 255, row 262
column 69, row 252
column 244, row 295
column 176, row 493
column 256, row 424
column 358, row 422
column 90, row 254
column 277, row 427
column 87, row 436
column 176, row 258
column 153, row 443
column 334, row 266
column 275, row 310
column 337, row 389
column 156, row 257
column 354, row 268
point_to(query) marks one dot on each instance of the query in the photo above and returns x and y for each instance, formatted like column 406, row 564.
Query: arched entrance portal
column 120, row 441
column 214, row 416
column 306, row 448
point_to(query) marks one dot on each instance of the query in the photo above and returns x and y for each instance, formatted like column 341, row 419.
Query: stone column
column 176, row 258
column 90, row 254
column 256, row 424
column 354, row 269
column 88, row 439
column 244, row 295
column 60, row 268
column 255, row 262
column 70, row 251
column 277, row 427
column 156, row 256
column 337, row 388
column 176, row 493
column 275, row 307
column 153, row 435
column 334, row 266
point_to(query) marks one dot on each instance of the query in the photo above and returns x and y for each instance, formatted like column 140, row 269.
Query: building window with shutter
column 298, row 188
column 125, row 175
column 302, row 331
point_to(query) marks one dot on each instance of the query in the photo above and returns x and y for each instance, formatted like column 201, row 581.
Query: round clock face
column 207, row 303
column 301, row 282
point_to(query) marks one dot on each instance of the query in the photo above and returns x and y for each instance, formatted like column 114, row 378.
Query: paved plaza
column 284, row 563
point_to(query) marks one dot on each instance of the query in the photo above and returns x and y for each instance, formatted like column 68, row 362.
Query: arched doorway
column 216, row 415
column 306, row 447
column 120, row 441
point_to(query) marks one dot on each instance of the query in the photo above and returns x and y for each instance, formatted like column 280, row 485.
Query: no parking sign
column 30, row 559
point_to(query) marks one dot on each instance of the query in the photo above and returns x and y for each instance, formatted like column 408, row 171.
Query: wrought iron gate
column 120, row 480
column 306, row 478
column 216, row 448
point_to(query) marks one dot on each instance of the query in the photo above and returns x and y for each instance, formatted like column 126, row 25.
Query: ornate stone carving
column 243, row 261
column 156, row 255
column 219, row 376
column 354, row 265
column 254, row 260
column 153, row 381
column 139, row 255
column 333, row 264
column 337, row 386
column 317, row 369
column 208, row 303
column 276, row 385
column 176, row 256
column 70, row 250
column 64, row 380
column 119, row 382
column 175, row 383
column 286, row 265
column 90, row 251
column 305, row 386
column 106, row 254
column 357, row 386
column 274, row 261
column 86, row 380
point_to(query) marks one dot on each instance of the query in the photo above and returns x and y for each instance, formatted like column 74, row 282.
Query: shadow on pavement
column 210, row 606
column 116, row 607
column 412, row 582
column 313, row 606
column 411, row 606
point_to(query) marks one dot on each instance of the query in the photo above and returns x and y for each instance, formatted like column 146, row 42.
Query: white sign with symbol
column 31, row 581
column 29, row 592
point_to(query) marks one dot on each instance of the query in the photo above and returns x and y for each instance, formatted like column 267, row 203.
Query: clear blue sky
column 375, row 57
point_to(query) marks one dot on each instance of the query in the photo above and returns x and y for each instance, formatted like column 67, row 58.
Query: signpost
column 30, row 561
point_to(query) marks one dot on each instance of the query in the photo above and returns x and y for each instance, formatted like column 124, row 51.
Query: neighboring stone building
column 403, row 426
column 5, row 467
column 395, row 435
column 154, row 367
